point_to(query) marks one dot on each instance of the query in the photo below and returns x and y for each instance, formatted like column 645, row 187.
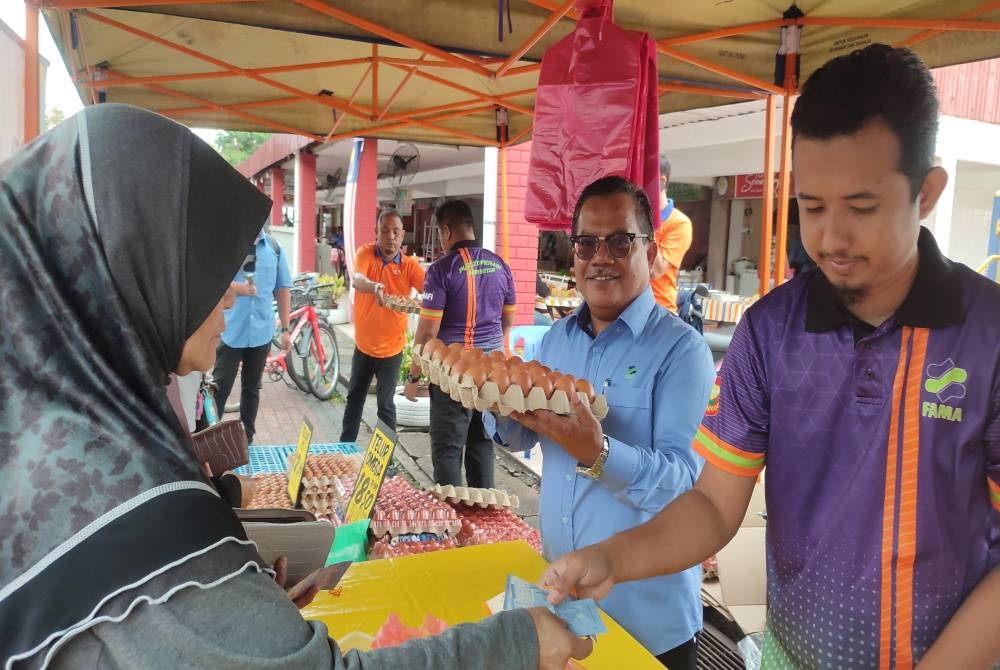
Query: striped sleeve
column 725, row 456
column 435, row 294
column 735, row 430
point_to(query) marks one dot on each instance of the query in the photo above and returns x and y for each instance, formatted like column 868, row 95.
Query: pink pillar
column 305, row 213
column 366, row 202
column 523, row 235
column 277, row 194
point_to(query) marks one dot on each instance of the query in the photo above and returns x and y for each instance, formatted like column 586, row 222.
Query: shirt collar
column 667, row 210
column 634, row 316
column 465, row 244
column 931, row 303
column 397, row 259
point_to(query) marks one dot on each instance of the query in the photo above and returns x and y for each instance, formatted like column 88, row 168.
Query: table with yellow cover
column 452, row 585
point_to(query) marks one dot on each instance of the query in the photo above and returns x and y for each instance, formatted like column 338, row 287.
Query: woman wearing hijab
column 119, row 233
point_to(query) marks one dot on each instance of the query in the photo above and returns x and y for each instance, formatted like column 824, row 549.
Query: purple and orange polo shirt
column 882, row 448
column 468, row 290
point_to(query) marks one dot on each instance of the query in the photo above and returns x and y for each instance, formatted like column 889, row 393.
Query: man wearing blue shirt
column 656, row 373
column 250, row 326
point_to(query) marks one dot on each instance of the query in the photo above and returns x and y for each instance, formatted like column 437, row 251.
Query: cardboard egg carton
column 456, row 379
column 398, row 303
column 394, row 529
column 475, row 497
column 413, row 523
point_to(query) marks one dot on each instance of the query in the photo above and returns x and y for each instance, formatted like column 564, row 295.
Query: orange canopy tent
column 445, row 71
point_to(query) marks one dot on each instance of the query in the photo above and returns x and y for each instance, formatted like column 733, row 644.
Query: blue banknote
column 581, row 616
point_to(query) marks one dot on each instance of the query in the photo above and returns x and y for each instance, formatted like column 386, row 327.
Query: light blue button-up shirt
column 250, row 321
column 657, row 374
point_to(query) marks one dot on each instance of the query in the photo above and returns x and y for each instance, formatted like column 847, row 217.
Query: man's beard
column 850, row 295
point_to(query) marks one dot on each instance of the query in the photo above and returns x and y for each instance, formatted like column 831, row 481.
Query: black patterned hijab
column 119, row 232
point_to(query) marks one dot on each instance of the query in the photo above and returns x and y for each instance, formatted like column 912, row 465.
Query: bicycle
column 315, row 362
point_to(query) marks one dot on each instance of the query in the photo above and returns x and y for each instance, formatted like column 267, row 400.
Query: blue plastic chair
column 524, row 340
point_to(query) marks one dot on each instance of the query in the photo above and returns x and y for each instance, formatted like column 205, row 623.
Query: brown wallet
column 223, row 446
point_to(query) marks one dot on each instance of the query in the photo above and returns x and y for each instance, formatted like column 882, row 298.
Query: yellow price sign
column 373, row 468
column 299, row 462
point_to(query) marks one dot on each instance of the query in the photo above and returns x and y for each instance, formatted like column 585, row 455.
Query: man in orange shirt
column 673, row 239
column 379, row 332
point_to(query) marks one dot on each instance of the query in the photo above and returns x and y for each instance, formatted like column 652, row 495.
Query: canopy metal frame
column 432, row 65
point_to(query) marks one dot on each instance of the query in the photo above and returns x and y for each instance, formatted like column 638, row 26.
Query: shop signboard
column 299, row 464
column 746, row 186
column 373, row 469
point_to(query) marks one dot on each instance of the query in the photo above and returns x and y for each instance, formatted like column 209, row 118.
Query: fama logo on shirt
column 947, row 382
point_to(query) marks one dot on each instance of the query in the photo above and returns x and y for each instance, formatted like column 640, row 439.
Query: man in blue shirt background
column 656, row 373
column 250, row 326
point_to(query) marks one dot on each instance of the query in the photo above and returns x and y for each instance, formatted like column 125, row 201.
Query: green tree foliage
column 53, row 117
column 236, row 146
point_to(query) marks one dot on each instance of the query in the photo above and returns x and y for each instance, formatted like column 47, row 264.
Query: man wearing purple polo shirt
column 870, row 389
column 469, row 298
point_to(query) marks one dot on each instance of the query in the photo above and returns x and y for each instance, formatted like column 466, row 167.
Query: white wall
column 972, row 211
column 11, row 93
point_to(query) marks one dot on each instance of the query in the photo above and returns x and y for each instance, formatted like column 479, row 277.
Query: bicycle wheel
column 295, row 361
column 322, row 379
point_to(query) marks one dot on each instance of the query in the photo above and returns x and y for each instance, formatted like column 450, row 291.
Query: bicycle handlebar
column 311, row 289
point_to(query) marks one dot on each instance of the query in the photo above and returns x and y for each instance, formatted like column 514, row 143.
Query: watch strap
column 597, row 467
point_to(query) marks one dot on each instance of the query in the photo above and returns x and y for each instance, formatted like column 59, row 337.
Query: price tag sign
column 299, row 463
column 373, row 468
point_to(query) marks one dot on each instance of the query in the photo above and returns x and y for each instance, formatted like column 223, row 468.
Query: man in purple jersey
column 870, row 389
column 469, row 299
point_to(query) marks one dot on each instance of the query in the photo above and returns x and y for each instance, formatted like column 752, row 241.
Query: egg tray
column 402, row 509
column 328, row 466
column 489, row 526
column 474, row 497
column 271, row 459
column 398, row 303
column 487, row 396
column 271, row 492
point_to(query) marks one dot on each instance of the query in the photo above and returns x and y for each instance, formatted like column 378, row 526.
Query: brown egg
column 497, row 356
column 537, row 366
column 500, row 376
column 435, row 350
column 449, row 360
column 543, row 380
column 521, row 377
column 566, row 384
column 466, row 361
column 476, row 375
column 584, row 386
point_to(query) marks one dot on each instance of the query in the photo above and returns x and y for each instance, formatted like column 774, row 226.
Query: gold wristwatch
column 597, row 469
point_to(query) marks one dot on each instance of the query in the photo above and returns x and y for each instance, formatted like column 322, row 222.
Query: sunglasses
column 619, row 245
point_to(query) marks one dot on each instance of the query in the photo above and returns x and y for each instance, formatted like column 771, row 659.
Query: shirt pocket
column 629, row 414
column 629, row 397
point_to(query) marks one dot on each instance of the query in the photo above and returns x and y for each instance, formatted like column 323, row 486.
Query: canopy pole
column 767, row 209
column 32, row 87
column 504, row 224
column 784, row 190
column 375, row 115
